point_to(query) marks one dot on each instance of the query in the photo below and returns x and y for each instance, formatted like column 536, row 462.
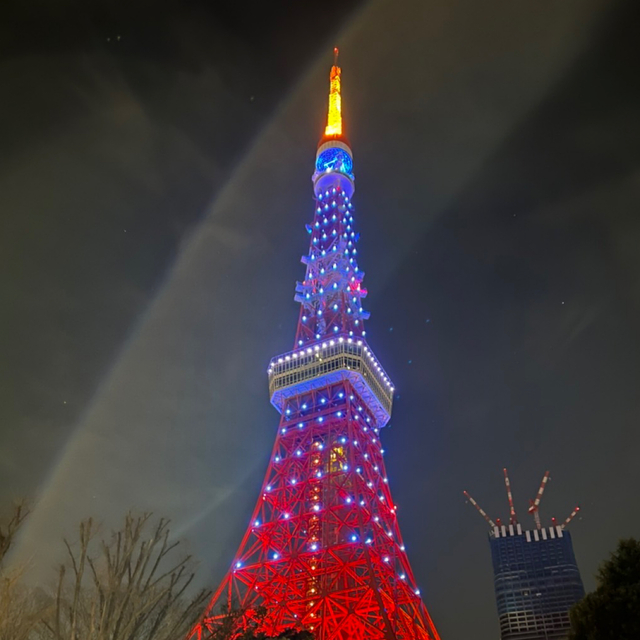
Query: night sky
column 154, row 187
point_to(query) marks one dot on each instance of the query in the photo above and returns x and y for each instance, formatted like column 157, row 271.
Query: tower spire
column 334, row 116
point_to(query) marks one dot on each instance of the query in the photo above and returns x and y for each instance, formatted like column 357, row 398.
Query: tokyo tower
column 323, row 550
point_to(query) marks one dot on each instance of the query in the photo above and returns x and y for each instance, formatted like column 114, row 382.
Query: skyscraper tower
column 323, row 550
column 535, row 575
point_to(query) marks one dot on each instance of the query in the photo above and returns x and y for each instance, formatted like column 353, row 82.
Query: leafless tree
column 10, row 528
column 19, row 606
column 129, row 587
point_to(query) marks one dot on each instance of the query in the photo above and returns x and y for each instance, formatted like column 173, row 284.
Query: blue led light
column 334, row 159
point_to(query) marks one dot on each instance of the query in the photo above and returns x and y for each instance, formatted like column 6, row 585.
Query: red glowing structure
column 323, row 550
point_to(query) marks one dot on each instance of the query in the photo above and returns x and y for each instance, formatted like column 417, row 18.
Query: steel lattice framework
column 323, row 550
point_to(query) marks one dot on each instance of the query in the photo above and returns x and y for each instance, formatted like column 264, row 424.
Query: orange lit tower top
column 334, row 158
column 334, row 117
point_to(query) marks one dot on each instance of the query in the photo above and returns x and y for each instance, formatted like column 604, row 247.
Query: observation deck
column 306, row 369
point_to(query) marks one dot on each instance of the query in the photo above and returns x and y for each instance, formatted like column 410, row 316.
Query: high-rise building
column 536, row 577
column 536, row 580
column 323, row 550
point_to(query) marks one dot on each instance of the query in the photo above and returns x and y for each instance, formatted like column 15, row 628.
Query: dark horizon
column 155, row 191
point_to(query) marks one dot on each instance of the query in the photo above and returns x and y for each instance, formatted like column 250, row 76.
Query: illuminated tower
column 323, row 550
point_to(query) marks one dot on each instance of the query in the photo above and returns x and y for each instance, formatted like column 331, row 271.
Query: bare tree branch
column 128, row 587
column 9, row 530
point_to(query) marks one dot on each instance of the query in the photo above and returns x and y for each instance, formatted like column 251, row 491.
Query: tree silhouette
column 20, row 607
column 612, row 611
column 126, row 587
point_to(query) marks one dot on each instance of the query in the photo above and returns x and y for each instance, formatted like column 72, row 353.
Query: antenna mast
column 334, row 116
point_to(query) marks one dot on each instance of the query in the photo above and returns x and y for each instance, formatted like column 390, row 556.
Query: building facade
column 536, row 581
